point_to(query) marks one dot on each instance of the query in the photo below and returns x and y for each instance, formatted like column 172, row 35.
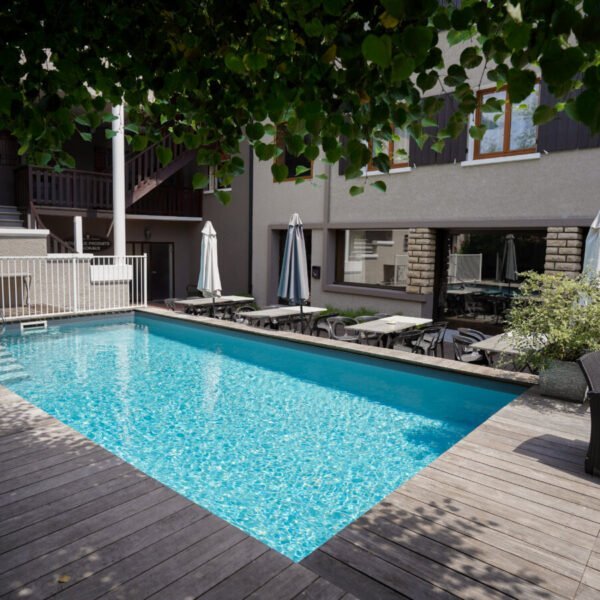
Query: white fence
column 464, row 268
column 69, row 284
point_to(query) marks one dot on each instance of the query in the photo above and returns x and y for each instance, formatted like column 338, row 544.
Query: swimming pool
column 288, row 443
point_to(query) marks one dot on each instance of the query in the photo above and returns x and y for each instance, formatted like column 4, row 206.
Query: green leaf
column 456, row 75
column 255, row 61
column 234, row 63
column 165, row 155
column 477, row 132
column 427, row 81
column 334, row 7
column 133, row 127
column 416, row 41
column 402, row 67
column 543, row 114
column 314, row 28
column 438, row 146
column 302, row 170
column 255, row 131
column 322, row 176
column 270, row 129
column 520, row 84
column 223, row 196
column 379, row 185
column 265, row 151
column 388, row 20
column 560, row 65
column 356, row 190
column 311, row 152
column 396, row 8
column 86, row 136
column 109, row 134
column 140, row 142
column 200, row 180
column 457, row 37
column 279, row 171
column 470, row 58
column 587, row 106
column 517, row 35
column 377, row 49
column 82, row 120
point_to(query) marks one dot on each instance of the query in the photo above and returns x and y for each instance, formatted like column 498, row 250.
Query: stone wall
column 421, row 260
column 564, row 250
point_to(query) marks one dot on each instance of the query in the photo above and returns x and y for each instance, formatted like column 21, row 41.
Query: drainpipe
column 118, row 179
column 250, row 214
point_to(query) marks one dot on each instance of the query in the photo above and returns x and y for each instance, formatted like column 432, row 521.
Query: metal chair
column 431, row 339
column 338, row 329
column 590, row 365
column 464, row 353
column 320, row 325
column 474, row 333
column 236, row 317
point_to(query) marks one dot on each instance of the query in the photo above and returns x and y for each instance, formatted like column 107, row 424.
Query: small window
column 510, row 131
column 396, row 149
column 372, row 257
column 299, row 167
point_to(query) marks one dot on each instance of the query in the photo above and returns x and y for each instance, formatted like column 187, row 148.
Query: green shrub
column 555, row 317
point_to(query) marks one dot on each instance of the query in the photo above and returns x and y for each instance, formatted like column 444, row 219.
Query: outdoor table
column 386, row 326
column 502, row 344
column 224, row 301
column 274, row 316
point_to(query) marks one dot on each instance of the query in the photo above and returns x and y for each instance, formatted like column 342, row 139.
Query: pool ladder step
column 11, row 371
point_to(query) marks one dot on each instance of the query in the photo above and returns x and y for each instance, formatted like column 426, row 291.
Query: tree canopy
column 326, row 74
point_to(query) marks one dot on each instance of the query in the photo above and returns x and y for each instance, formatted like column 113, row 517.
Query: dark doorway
column 160, row 267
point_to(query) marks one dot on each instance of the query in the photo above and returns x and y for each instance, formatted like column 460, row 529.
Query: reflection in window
column 480, row 287
column 372, row 257
column 510, row 130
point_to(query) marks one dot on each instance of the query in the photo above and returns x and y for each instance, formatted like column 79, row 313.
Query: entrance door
column 159, row 267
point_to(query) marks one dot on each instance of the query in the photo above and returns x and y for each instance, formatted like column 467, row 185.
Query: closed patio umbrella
column 209, row 280
column 591, row 257
column 508, row 270
column 293, row 280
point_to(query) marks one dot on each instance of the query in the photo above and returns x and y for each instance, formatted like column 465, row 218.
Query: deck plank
column 505, row 513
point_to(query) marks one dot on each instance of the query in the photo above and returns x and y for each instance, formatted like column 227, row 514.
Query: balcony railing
column 71, row 188
column 88, row 190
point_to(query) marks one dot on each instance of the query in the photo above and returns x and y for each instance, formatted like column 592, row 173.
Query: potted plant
column 554, row 320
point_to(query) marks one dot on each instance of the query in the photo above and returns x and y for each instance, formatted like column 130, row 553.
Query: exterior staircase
column 10, row 216
column 90, row 190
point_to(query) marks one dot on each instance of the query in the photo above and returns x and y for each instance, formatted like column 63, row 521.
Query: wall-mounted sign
column 92, row 244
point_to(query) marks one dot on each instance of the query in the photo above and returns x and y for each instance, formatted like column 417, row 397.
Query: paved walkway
column 505, row 513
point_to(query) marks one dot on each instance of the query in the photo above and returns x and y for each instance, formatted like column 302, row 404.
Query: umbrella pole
column 212, row 311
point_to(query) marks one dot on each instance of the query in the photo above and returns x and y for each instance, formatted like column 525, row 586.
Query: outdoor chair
column 321, row 326
column 170, row 303
column 431, row 339
column 590, row 365
column 405, row 339
column 473, row 333
column 236, row 317
column 338, row 329
column 464, row 353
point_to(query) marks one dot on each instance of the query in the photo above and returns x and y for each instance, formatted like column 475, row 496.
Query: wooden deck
column 506, row 513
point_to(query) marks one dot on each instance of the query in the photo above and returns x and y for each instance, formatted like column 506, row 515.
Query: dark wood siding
column 563, row 133
column 455, row 149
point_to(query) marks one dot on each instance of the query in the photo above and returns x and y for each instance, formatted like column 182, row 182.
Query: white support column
column 78, row 234
column 118, row 175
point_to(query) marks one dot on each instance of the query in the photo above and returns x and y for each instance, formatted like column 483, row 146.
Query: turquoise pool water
column 287, row 443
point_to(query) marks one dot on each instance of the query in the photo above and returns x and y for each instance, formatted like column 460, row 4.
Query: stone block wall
column 564, row 250
column 421, row 260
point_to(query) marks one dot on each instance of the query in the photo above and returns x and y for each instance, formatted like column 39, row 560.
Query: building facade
column 432, row 245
